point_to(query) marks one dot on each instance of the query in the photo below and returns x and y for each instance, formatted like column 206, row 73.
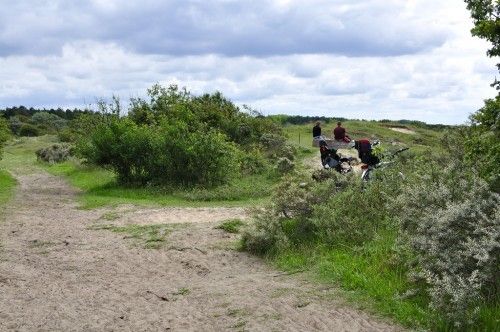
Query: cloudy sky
column 371, row 59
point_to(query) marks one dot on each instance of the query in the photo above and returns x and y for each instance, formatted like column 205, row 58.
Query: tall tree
column 483, row 143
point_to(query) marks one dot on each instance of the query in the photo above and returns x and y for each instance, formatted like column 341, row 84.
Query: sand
column 403, row 130
column 59, row 274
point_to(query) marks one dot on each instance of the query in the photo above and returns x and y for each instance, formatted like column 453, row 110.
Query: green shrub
column 66, row 135
column 4, row 134
column 289, row 219
column 161, row 154
column 15, row 124
column 252, row 161
column 450, row 227
column 29, row 130
column 482, row 142
column 284, row 165
column 50, row 122
column 177, row 139
column 56, row 153
column 266, row 233
column 351, row 217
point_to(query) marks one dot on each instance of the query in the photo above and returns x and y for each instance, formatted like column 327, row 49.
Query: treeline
column 300, row 120
column 22, row 111
column 23, row 121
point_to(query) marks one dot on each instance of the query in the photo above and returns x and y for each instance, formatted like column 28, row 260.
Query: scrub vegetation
column 419, row 243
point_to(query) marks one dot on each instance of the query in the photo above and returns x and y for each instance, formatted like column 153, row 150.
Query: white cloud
column 439, row 74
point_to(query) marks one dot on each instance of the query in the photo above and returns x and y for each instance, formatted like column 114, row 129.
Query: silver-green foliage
column 291, row 218
column 450, row 224
column 55, row 153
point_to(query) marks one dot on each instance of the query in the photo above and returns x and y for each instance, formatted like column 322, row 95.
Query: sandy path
column 403, row 130
column 56, row 274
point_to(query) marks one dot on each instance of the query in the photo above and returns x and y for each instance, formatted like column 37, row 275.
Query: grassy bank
column 99, row 186
column 419, row 139
column 7, row 184
column 369, row 280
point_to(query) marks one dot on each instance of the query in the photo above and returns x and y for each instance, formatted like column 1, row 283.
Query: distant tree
column 50, row 122
column 486, row 16
column 483, row 143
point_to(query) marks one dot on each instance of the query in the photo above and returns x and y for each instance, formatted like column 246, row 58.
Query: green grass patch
column 147, row 236
column 100, row 188
column 421, row 140
column 231, row 226
column 371, row 279
column 19, row 154
column 7, row 184
column 367, row 275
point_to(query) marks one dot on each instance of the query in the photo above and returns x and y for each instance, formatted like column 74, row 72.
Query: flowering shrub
column 284, row 165
column 55, row 153
column 450, row 222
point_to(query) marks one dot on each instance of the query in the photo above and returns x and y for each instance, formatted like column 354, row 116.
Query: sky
column 366, row 59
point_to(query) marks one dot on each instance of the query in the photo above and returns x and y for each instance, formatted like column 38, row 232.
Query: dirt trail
column 57, row 274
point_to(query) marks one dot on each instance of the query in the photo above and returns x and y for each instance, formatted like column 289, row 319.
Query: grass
column 7, row 184
column 19, row 154
column 231, row 226
column 372, row 280
column 301, row 135
column 147, row 236
column 366, row 275
column 100, row 188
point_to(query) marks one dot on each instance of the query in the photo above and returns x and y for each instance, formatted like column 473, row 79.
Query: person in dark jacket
column 317, row 130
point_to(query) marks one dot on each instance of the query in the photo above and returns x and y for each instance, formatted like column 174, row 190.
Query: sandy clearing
column 58, row 275
column 129, row 214
column 403, row 130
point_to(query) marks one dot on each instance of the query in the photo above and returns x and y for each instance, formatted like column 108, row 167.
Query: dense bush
column 323, row 211
column 49, row 123
column 15, row 124
column 284, row 165
column 164, row 154
column 252, row 161
column 444, row 218
column 175, row 139
column 29, row 130
column 450, row 224
column 4, row 134
column 482, row 144
column 55, row 153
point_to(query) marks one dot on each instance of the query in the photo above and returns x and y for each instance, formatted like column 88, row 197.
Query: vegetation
column 55, row 153
column 422, row 247
column 34, row 122
column 427, row 258
column 483, row 138
column 4, row 134
column 100, row 187
column 232, row 225
column 148, row 236
column 7, row 184
column 177, row 139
